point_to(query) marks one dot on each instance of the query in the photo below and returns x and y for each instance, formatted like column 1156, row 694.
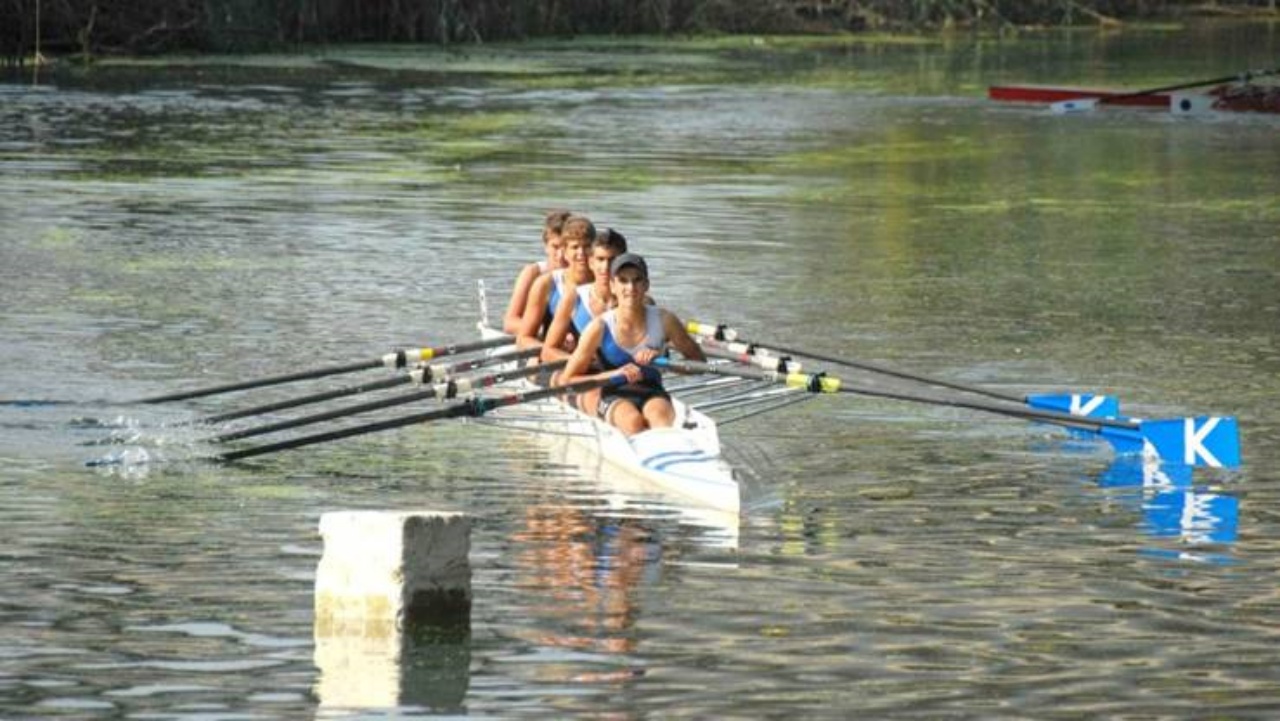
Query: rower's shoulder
column 671, row 322
column 593, row 331
column 567, row 302
column 526, row 277
column 542, row 282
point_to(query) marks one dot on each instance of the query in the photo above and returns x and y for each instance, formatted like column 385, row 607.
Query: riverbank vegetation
column 33, row 29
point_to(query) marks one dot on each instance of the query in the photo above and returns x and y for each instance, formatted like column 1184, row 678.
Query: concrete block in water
column 392, row 606
column 393, row 568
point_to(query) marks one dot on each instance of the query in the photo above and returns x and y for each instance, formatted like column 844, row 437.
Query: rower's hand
column 632, row 372
column 645, row 356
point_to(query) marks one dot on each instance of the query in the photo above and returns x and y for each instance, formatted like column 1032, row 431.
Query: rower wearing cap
column 548, row 289
column 588, row 300
column 625, row 340
column 553, row 246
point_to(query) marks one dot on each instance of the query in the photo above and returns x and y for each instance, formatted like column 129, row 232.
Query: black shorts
column 636, row 394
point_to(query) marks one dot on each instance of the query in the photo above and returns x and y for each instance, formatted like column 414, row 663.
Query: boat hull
column 683, row 463
column 1045, row 94
column 1226, row 98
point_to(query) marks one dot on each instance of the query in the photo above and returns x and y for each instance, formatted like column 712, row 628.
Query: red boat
column 1050, row 94
column 1232, row 97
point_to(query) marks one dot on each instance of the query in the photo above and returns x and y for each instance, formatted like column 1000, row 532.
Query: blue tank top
column 612, row 355
column 582, row 314
column 553, row 302
column 557, row 291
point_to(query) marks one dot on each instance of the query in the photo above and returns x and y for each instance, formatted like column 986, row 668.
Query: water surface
column 169, row 228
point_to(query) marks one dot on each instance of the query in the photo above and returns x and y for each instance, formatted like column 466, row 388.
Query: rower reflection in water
column 589, row 568
column 625, row 340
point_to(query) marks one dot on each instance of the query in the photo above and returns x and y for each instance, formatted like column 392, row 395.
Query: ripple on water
column 891, row 559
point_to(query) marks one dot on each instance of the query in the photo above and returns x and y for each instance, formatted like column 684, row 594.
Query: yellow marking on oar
column 825, row 384
column 697, row 328
column 707, row 330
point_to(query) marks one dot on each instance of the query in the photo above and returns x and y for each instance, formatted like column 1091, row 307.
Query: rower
column 553, row 246
column 545, row 294
column 588, row 300
column 625, row 340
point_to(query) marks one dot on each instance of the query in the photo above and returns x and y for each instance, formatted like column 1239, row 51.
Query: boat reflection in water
column 589, row 549
column 1174, row 508
column 587, row 572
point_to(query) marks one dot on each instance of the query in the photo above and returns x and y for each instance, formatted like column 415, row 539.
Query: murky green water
column 164, row 228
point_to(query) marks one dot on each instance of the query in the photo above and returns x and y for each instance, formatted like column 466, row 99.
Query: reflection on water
column 1172, row 507
column 610, row 491
column 585, row 572
column 426, row 666
column 182, row 230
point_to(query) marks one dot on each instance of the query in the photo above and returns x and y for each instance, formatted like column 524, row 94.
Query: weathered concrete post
column 393, row 609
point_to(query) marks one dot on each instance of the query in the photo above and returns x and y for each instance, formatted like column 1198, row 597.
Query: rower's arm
column 580, row 360
column 534, row 310
column 679, row 338
column 561, row 322
column 519, row 298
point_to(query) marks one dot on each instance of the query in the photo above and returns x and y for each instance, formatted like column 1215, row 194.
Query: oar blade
column 1212, row 441
column 1088, row 405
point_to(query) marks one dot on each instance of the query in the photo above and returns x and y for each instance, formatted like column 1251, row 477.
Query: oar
column 746, row 355
column 1089, row 103
column 1200, row 441
column 822, row 383
column 727, row 340
column 471, row 407
column 442, row 391
column 419, row 376
column 394, row 360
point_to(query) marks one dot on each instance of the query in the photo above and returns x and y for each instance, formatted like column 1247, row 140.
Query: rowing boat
column 1227, row 98
column 1053, row 94
column 683, row 462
